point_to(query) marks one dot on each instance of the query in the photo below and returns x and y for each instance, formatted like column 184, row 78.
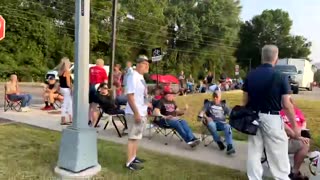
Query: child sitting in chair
column 214, row 116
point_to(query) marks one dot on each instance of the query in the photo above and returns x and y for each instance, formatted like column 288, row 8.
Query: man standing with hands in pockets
column 271, row 135
column 136, row 110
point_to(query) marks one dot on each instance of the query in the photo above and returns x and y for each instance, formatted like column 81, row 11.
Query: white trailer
column 305, row 71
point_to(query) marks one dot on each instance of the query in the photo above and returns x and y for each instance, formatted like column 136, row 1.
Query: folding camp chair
column 8, row 104
column 113, row 118
column 205, row 133
column 165, row 129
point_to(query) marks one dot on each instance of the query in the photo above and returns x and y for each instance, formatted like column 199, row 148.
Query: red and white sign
column 2, row 28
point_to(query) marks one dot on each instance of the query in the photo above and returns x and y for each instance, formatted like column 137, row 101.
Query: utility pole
column 78, row 156
column 113, row 45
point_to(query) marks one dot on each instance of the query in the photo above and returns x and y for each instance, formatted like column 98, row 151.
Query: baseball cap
column 142, row 58
column 216, row 93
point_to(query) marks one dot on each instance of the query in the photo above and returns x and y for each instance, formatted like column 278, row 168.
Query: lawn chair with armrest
column 205, row 133
column 9, row 104
column 159, row 128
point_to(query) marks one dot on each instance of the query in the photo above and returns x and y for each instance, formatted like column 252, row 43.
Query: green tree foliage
column 271, row 27
column 196, row 35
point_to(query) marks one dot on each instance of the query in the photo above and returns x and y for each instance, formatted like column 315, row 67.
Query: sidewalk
column 209, row 154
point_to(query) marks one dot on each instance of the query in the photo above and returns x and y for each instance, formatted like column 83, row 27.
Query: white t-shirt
column 137, row 85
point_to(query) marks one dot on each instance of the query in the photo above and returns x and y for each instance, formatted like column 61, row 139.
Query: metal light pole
column 78, row 156
column 113, row 46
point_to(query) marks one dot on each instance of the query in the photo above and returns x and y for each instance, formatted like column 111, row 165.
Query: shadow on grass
column 31, row 153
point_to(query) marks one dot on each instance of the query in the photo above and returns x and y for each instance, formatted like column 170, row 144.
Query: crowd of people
column 282, row 126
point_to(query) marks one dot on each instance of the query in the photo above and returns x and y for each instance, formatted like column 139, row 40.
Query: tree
column 271, row 27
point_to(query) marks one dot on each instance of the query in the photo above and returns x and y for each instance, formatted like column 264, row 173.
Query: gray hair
column 269, row 53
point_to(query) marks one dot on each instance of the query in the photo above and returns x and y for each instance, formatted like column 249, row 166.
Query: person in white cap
column 136, row 110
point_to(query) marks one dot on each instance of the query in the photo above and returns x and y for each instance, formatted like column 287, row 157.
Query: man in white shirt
column 136, row 110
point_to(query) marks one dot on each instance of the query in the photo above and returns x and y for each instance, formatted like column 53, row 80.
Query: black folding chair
column 8, row 104
column 114, row 117
column 163, row 129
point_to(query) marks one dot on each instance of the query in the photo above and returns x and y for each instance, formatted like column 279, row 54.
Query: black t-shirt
column 106, row 102
column 167, row 108
column 209, row 79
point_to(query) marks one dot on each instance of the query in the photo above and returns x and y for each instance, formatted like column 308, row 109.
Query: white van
column 305, row 70
column 54, row 72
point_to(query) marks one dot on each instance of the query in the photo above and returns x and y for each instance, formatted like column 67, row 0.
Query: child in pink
column 301, row 122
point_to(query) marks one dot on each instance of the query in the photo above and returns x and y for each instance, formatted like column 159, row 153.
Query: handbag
column 246, row 120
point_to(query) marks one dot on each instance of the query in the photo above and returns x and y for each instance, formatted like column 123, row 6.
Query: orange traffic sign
column 2, row 28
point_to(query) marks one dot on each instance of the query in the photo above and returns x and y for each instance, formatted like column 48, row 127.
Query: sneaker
column 49, row 108
column 194, row 142
column 125, row 131
column 44, row 108
column 297, row 176
column 138, row 160
column 24, row 109
column 230, row 149
column 221, row 145
column 134, row 167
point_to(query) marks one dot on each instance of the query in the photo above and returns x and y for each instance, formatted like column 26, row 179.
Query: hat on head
column 216, row 93
column 51, row 78
column 142, row 58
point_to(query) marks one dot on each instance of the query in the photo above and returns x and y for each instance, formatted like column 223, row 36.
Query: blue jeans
column 181, row 126
column 215, row 126
column 24, row 98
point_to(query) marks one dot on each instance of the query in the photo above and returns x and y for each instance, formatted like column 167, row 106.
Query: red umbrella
column 164, row 78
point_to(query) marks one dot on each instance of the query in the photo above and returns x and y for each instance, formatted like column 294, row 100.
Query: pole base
column 78, row 149
column 86, row 174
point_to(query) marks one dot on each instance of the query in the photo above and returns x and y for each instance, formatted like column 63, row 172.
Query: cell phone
column 306, row 133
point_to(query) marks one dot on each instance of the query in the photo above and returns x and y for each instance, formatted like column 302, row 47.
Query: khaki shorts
column 294, row 146
column 135, row 130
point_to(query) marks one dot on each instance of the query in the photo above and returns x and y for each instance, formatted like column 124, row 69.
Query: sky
column 305, row 15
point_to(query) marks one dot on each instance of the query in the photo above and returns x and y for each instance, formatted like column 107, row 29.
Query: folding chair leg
column 115, row 126
column 98, row 120
column 106, row 124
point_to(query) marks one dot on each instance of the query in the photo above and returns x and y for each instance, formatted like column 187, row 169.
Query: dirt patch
column 5, row 121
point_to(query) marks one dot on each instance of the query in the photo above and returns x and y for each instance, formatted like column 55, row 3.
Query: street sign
column 2, row 28
column 156, row 54
column 236, row 71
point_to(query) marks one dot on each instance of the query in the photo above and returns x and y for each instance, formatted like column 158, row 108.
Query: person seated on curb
column 214, row 116
column 14, row 94
column 169, row 113
column 298, row 147
column 50, row 94
column 106, row 102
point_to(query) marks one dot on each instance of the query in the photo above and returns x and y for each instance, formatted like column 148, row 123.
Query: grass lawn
column 195, row 102
column 31, row 153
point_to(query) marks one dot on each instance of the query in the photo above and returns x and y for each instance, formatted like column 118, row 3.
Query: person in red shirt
column 298, row 147
column 97, row 75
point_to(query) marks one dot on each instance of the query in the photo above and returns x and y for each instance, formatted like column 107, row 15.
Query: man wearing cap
column 214, row 113
column 168, row 110
column 136, row 110
column 50, row 94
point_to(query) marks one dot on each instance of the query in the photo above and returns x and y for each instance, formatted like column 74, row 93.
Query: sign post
column 236, row 71
column 78, row 156
column 2, row 28
column 156, row 57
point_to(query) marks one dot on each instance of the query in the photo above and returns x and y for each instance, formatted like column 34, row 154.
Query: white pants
column 66, row 106
column 272, row 137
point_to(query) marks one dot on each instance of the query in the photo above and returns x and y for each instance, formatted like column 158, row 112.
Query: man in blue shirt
column 267, row 92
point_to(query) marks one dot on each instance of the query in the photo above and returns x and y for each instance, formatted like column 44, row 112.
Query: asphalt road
column 36, row 92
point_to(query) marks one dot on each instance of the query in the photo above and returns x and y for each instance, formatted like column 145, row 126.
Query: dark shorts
column 93, row 94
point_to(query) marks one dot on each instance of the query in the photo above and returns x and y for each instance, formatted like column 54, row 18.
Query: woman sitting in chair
column 106, row 101
column 169, row 113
